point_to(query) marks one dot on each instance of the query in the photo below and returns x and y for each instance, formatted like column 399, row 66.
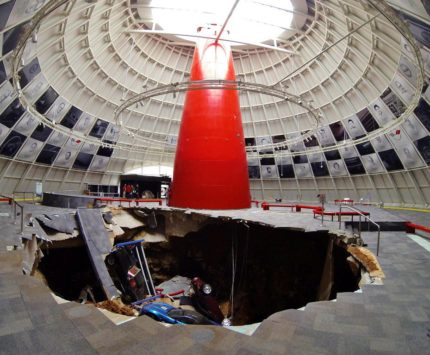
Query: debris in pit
column 367, row 259
column 129, row 271
column 124, row 219
column 116, row 306
column 166, row 313
column 204, row 301
column 174, row 284
column 98, row 244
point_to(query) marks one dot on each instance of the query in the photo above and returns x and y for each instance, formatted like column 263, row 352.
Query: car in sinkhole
column 126, row 275
column 164, row 312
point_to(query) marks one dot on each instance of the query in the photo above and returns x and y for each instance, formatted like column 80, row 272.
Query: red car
column 204, row 302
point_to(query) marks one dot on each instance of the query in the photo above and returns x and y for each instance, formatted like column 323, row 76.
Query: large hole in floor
column 262, row 269
column 268, row 269
column 68, row 271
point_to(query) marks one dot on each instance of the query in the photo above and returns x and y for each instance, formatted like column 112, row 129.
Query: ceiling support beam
column 226, row 21
column 161, row 32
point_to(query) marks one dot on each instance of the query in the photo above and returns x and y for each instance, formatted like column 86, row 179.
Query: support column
column 210, row 165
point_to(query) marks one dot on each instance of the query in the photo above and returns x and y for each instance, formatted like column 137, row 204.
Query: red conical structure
column 210, row 165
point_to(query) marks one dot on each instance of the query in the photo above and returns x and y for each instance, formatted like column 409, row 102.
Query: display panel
column 171, row 140
column 390, row 160
column 264, row 141
column 73, row 143
column 4, row 131
column 300, row 159
column 46, row 100
column 392, row 101
column 99, row 163
column 99, row 129
column 381, row 112
column 36, row 88
column 26, row 124
column 422, row 111
column 30, row 150
column 3, row 74
column 84, row 124
column 29, row 72
column 325, row 136
column 11, row 37
column 6, row 95
column 284, row 160
column 12, row 143
column 65, row 158
column 419, row 29
column 365, row 148
column 408, row 70
column 403, row 89
column 41, row 132
column 57, row 138
column 354, row 166
column 348, row 152
column 105, row 151
column 423, row 146
column 48, row 154
column 71, row 117
column 112, row 133
column 315, row 157
column 279, row 139
column 320, row 168
column 353, row 126
column 372, row 163
column 367, row 121
column 57, row 110
column 269, row 172
column 89, row 148
column 250, row 142
column 267, row 160
column 414, row 128
column 337, row 168
column 23, row 9
column 303, row 170
column 339, row 131
column 332, row 155
column 311, row 142
column 296, row 147
column 12, row 114
column 381, row 143
column 254, row 172
column 82, row 161
column 286, row 171
column 5, row 10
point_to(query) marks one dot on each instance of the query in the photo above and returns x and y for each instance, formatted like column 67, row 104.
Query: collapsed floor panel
column 255, row 269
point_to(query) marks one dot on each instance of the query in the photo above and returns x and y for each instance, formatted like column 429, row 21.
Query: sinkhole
column 255, row 270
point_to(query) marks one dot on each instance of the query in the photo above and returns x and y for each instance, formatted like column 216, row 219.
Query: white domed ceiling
column 359, row 67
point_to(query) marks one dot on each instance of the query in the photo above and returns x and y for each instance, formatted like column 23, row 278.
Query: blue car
column 164, row 312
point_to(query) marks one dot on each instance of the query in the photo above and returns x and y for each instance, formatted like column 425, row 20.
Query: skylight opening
column 251, row 22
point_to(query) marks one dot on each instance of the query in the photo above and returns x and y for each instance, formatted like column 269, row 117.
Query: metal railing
column 14, row 204
column 360, row 213
column 24, row 194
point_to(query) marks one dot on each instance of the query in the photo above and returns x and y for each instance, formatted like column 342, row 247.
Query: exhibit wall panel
column 405, row 188
column 16, row 176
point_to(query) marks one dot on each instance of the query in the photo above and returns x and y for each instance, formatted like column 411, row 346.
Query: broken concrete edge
column 368, row 260
column 199, row 220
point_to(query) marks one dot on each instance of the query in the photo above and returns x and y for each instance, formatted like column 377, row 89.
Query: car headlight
column 226, row 322
column 207, row 289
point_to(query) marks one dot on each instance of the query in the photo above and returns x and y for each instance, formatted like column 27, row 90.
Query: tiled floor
column 393, row 318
